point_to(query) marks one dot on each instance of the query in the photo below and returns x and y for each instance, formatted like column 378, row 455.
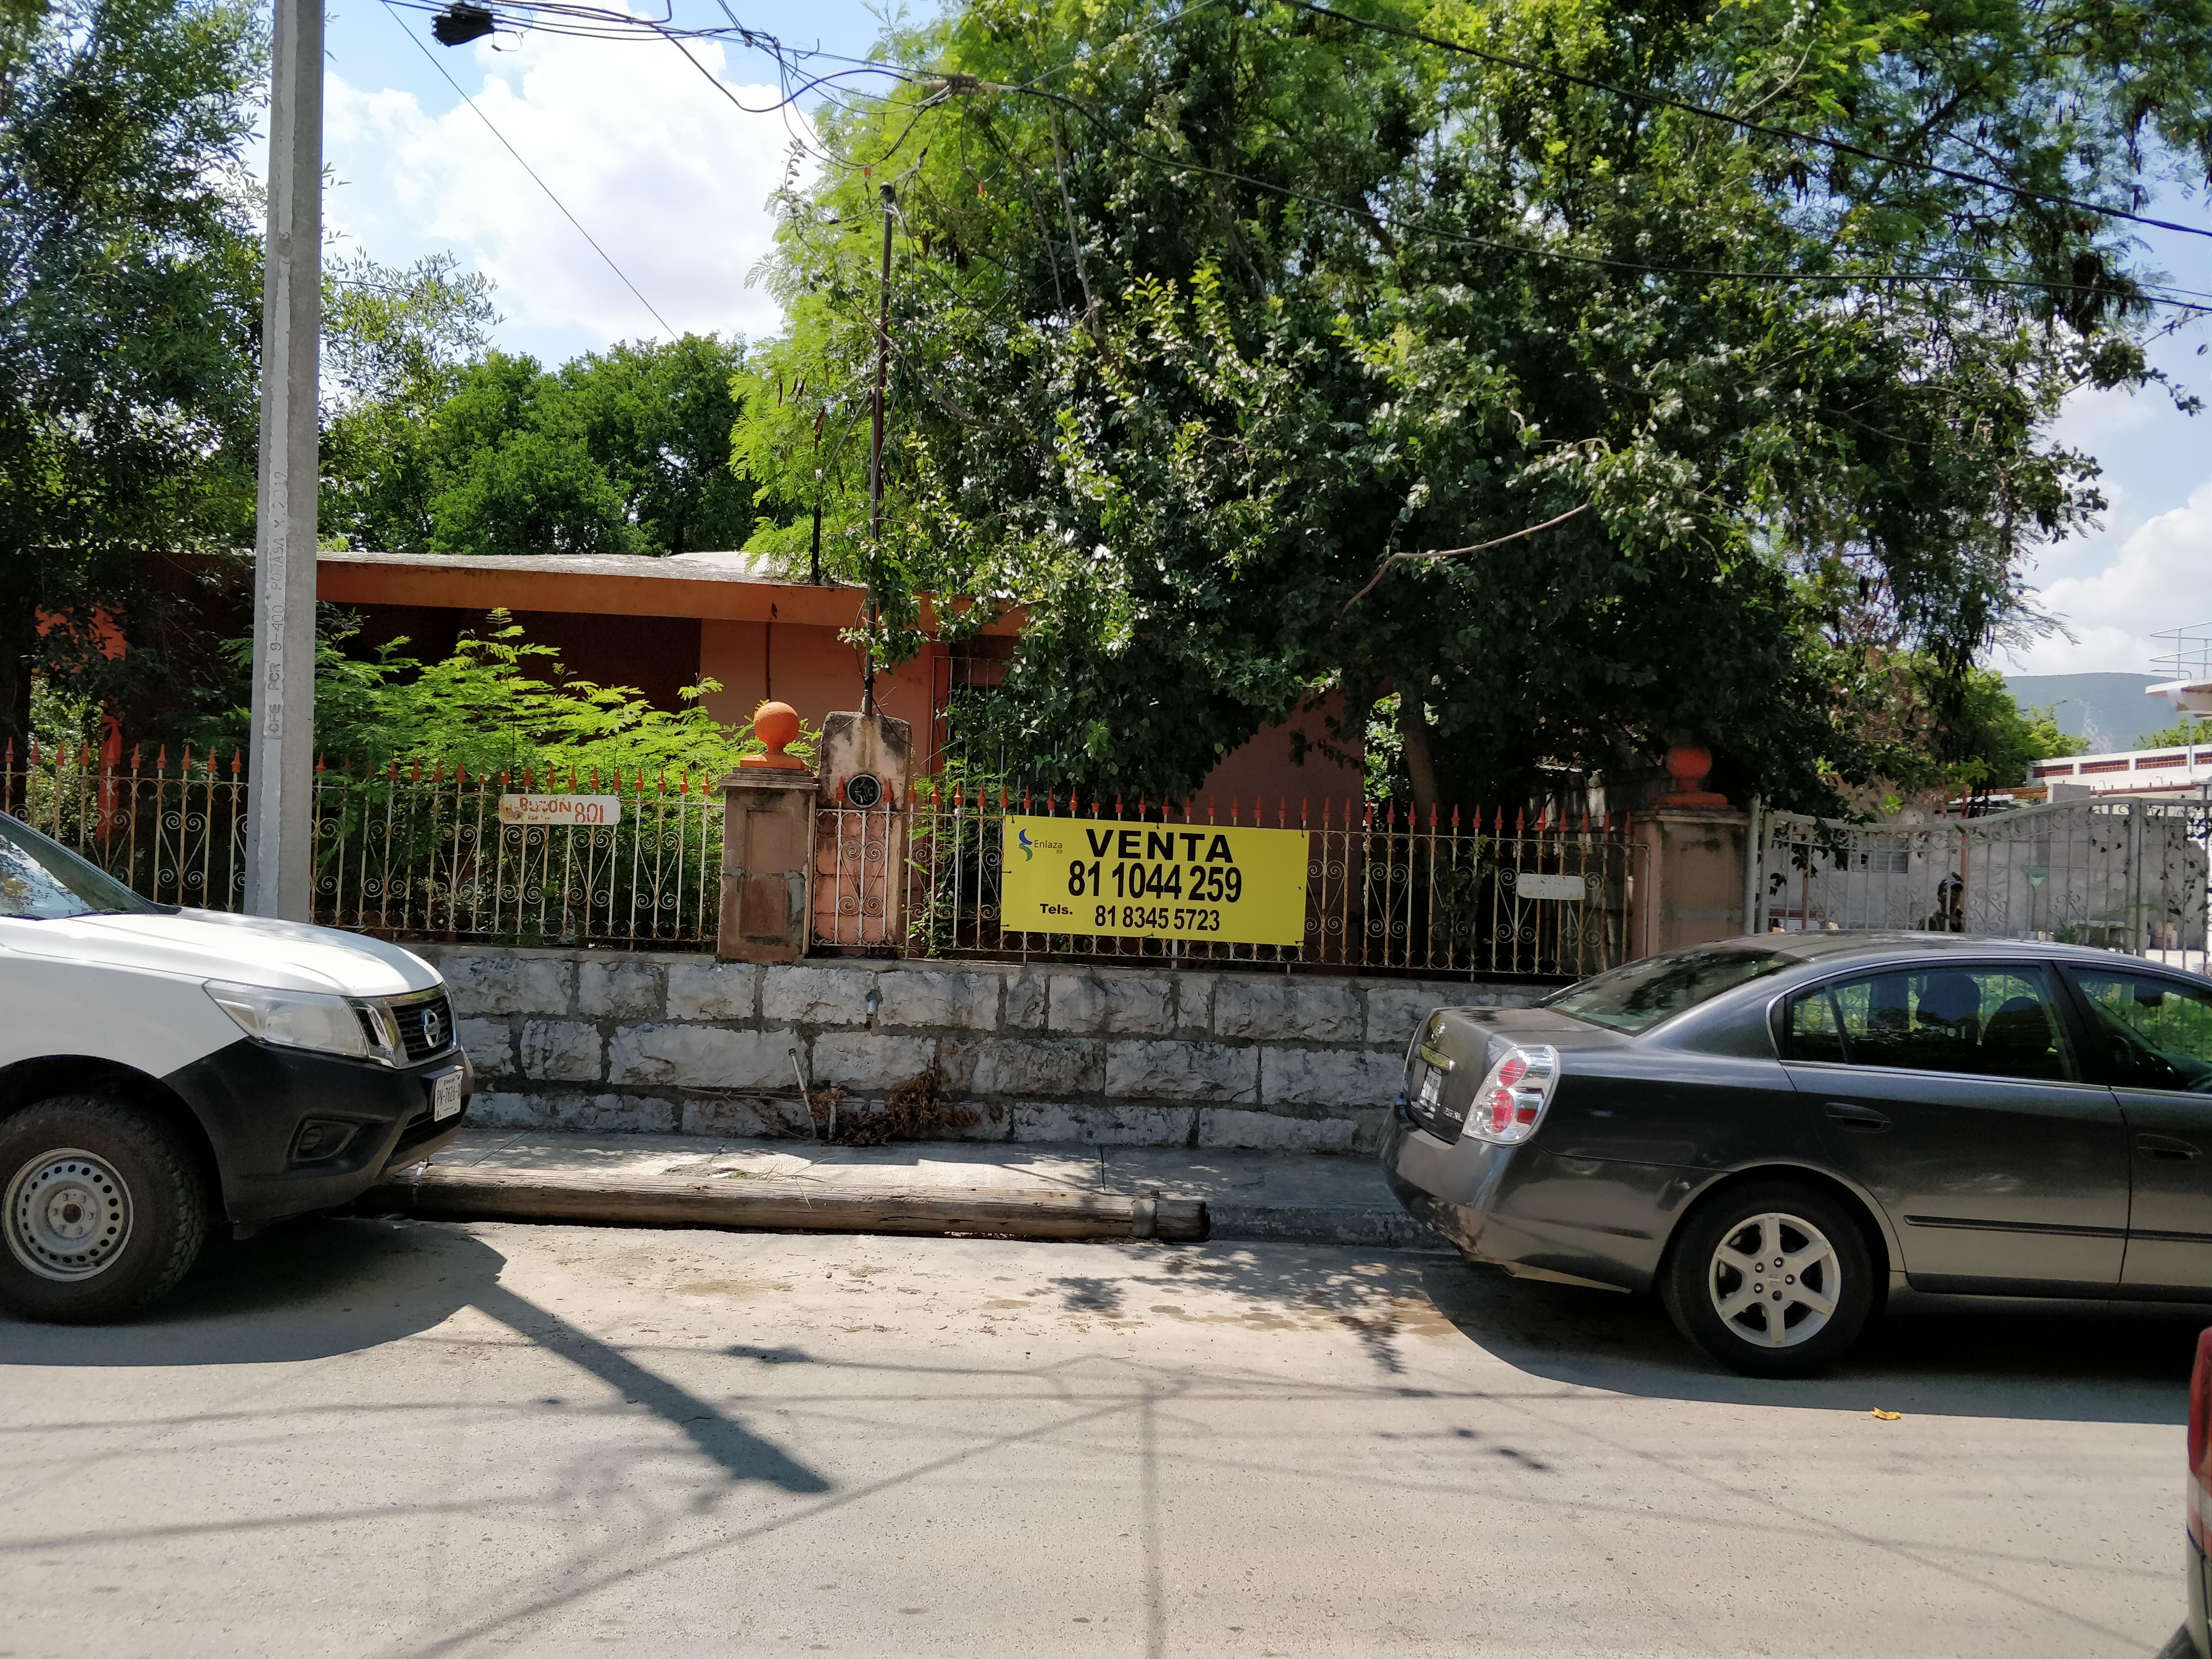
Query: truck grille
column 426, row 1028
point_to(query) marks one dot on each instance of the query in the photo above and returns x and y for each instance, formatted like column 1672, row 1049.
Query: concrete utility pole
column 876, row 456
column 279, row 840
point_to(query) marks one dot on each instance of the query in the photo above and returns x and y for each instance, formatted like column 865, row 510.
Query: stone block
column 713, row 990
column 510, row 985
column 864, row 1063
column 1130, row 1125
column 1395, row 1013
column 1194, row 1009
column 1287, row 1010
column 1328, row 1077
column 490, row 1046
column 751, row 1116
column 503, row 1108
column 1026, row 999
column 799, row 994
column 1047, row 1067
column 963, row 999
column 1219, row 1126
column 1140, row 1004
column 607, row 1113
column 619, row 987
column 702, row 1057
column 560, row 1050
column 1182, row 1070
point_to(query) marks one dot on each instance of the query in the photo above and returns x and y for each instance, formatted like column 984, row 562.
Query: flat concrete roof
column 717, row 587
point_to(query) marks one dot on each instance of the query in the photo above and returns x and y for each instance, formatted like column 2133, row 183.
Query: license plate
column 444, row 1097
column 1432, row 1087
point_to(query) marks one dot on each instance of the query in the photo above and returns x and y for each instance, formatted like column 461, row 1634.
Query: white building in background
column 2179, row 769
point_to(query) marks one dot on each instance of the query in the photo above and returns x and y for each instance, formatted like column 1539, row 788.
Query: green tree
column 1203, row 316
column 626, row 450
column 2187, row 730
column 129, row 312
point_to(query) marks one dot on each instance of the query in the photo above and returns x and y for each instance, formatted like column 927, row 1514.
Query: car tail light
column 1511, row 1103
column 2200, row 1438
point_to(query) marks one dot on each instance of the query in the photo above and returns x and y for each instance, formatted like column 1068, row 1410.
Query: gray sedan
column 1781, row 1134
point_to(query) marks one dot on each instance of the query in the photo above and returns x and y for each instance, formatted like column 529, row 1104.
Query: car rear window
column 41, row 880
column 1637, row 995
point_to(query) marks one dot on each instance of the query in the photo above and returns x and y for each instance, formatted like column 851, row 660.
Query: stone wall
column 605, row 1041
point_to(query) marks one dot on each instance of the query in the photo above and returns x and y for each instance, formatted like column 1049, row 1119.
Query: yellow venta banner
column 1200, row 881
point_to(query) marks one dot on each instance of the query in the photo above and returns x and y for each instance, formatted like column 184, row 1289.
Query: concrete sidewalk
column 1297, row 1197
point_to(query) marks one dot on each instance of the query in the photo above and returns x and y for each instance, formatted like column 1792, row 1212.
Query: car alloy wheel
column 1744, row 1245
column 1774, row 1281
column 69, row 1214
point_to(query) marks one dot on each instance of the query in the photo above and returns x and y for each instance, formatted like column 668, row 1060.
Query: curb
column 434, row 1192
column 1368, row 1226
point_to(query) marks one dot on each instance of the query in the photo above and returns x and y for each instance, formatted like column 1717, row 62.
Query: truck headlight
column 316, row 1020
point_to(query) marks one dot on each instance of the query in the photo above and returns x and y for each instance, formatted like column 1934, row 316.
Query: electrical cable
column 612, row 25
column 533, row 172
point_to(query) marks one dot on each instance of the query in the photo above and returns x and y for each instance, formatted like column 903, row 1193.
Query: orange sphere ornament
column 775, row 723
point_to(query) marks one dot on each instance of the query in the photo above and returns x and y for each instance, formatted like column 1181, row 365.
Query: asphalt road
column 403, row 1439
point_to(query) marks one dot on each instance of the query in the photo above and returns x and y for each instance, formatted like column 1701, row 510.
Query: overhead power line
column 597, row 22
column 1791, row 135
column 426, row 51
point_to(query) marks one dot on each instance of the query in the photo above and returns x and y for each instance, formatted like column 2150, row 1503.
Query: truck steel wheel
column 1773, row 1281
column 101, row 1210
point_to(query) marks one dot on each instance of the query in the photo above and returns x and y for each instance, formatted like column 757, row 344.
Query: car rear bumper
column 1592, row 1220
column 254, row 1101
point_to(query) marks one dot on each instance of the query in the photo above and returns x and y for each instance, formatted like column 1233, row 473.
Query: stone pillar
column 1693, row 875
column 767, row 834
column 1696, row 848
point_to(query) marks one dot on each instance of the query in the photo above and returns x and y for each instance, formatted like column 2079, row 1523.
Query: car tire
column 102, row 1210
column 1721, row 1289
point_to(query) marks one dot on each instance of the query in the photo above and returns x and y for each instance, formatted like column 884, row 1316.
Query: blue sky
column 672, row 181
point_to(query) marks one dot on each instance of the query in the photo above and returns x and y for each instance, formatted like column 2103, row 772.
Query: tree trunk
column 1420, row 768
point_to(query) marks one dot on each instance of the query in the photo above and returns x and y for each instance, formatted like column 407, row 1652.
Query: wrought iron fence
column 420, row 851
column 1387, row 891
column 2125, row 875
column 408, row 852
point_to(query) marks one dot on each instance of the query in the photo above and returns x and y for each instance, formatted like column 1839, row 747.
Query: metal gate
column 2122, row 875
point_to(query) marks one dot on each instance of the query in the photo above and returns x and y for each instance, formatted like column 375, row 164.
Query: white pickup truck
column 164, row 1070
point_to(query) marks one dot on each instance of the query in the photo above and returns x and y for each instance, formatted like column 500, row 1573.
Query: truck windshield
column 41, row 880
column 1637, row 995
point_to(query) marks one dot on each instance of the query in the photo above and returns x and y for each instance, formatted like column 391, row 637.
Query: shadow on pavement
column 1977, row 1361
column 304, row 1291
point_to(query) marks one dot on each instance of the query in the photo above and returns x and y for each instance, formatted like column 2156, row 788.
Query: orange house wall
column 803, row 662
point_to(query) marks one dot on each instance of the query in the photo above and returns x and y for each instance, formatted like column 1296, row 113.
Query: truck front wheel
column 102, row 1211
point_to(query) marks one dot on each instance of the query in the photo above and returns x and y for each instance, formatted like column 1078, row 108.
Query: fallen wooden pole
column 436, row 1193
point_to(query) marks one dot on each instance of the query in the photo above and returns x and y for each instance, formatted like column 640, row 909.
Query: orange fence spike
column 1025, row 797
column 416, row 775
column 186, row 764
column 460, row 775
column 134, row 756
column 237, row 762
column 1002, row 798
column 1209, row 809
column 1520, row 820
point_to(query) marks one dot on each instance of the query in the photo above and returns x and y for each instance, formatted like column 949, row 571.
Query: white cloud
column 2160, row 578
column 669, row 177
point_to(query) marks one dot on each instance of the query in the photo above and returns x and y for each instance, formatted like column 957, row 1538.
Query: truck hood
column 280, row 956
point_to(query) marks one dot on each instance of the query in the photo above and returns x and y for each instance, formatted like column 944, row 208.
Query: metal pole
column 279, row 810
column 814, row 553
column 876, row 454
column 1754, row 846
